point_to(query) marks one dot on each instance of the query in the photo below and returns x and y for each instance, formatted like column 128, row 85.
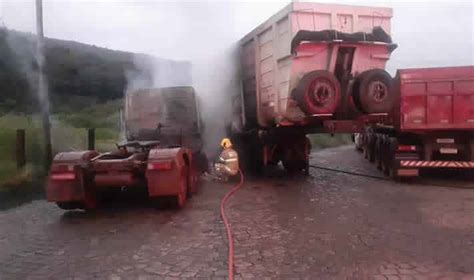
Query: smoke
column 216, row 85
column 214, row 78
column 202, row 34
column 149, row 71
column 28, row 60
column 23, row 50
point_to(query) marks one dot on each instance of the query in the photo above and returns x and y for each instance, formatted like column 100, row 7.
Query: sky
column 429, row 33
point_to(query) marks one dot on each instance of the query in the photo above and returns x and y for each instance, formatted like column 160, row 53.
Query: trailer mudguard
column 166, row 170
column 67, row 180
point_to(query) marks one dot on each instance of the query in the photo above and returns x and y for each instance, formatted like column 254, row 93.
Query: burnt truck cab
column 161, row 152
column 168, row 115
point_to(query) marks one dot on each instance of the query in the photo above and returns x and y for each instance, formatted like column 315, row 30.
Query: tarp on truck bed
column 377, row 35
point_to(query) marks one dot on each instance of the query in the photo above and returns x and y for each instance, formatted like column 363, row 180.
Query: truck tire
column 373, row 93
column 386, row 157
column 371, row 143
column 68, row 205
column 379, row 151
column 294, row 166
column 179, row 200
column 201, row 163
column 90, row 202
column 358, row 142
column 253, row 159
column 318, row 92
column 392, row 167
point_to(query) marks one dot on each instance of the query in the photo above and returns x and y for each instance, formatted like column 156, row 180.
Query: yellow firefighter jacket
column 230, row 159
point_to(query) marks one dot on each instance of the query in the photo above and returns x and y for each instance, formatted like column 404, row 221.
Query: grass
column 69, row 132
column 7, row 170
column 322, row 141
column 22, row 186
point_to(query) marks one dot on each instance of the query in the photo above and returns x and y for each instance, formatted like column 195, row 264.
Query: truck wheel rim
column 320, row 93
column 378, row 90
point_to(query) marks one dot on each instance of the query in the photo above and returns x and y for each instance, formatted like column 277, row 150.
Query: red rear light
column 164, row 165
column 406, row 148
column 63, row 176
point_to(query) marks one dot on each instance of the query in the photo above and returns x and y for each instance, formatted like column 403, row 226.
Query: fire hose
column 230, row 240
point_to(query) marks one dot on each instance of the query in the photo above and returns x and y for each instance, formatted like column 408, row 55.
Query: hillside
column 78, row 74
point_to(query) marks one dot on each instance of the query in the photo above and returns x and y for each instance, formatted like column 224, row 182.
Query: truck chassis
column 77, row 179
column 404, row 154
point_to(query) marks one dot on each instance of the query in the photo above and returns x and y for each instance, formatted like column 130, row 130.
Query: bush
column 321, row 141
column 101, row 115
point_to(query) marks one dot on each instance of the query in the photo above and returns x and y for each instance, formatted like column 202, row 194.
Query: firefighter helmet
column 225, row 143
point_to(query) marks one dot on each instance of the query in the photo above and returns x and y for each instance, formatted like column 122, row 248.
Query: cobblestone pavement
column 326, row 226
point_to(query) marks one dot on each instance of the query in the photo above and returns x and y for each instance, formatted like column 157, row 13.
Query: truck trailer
column 161, row 154
column 311, row 68
column 431, row 126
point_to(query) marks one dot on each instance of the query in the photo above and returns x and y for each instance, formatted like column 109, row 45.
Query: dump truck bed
column 271, row 70
column 436, row 99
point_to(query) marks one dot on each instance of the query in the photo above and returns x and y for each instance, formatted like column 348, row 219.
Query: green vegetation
column 98, row 115
column 14, row 182
column 78, row 74
column 321, row 141
column 8, row 167
column 69, row 132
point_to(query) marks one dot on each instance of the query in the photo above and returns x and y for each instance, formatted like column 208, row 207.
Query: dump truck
column 161, row 153
column 310, row 68
column 431, row 126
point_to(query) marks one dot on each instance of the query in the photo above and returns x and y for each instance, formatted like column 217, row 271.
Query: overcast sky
column 429, row 33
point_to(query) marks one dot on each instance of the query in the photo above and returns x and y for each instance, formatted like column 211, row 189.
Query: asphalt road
column 326, row 226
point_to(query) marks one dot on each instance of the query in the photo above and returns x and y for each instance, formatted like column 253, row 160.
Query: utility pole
column 42, row 83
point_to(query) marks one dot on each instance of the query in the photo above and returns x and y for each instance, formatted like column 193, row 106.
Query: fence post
column 20, row 148
column 91, row 139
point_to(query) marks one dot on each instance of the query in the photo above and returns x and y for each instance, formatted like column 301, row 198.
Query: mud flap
column 67, row 180
column 164, row 169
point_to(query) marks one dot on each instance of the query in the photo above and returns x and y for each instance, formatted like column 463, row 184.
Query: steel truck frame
column 162, row 154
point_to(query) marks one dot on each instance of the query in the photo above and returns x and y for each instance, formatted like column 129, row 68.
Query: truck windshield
column 166, row 111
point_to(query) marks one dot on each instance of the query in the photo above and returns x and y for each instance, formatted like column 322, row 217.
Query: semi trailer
column 311, row 68
column 161, row 154
column 431, row 126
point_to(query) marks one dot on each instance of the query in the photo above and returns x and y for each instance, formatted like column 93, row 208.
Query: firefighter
column 228, row 162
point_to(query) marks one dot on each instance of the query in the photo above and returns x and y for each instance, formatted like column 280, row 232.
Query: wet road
column 326, row 226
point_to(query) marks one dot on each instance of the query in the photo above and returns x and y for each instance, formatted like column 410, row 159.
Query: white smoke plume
column 149, row 71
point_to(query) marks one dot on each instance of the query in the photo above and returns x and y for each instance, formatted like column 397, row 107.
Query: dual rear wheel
column 319, row 92
column 373, row 93
column 380, row 149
